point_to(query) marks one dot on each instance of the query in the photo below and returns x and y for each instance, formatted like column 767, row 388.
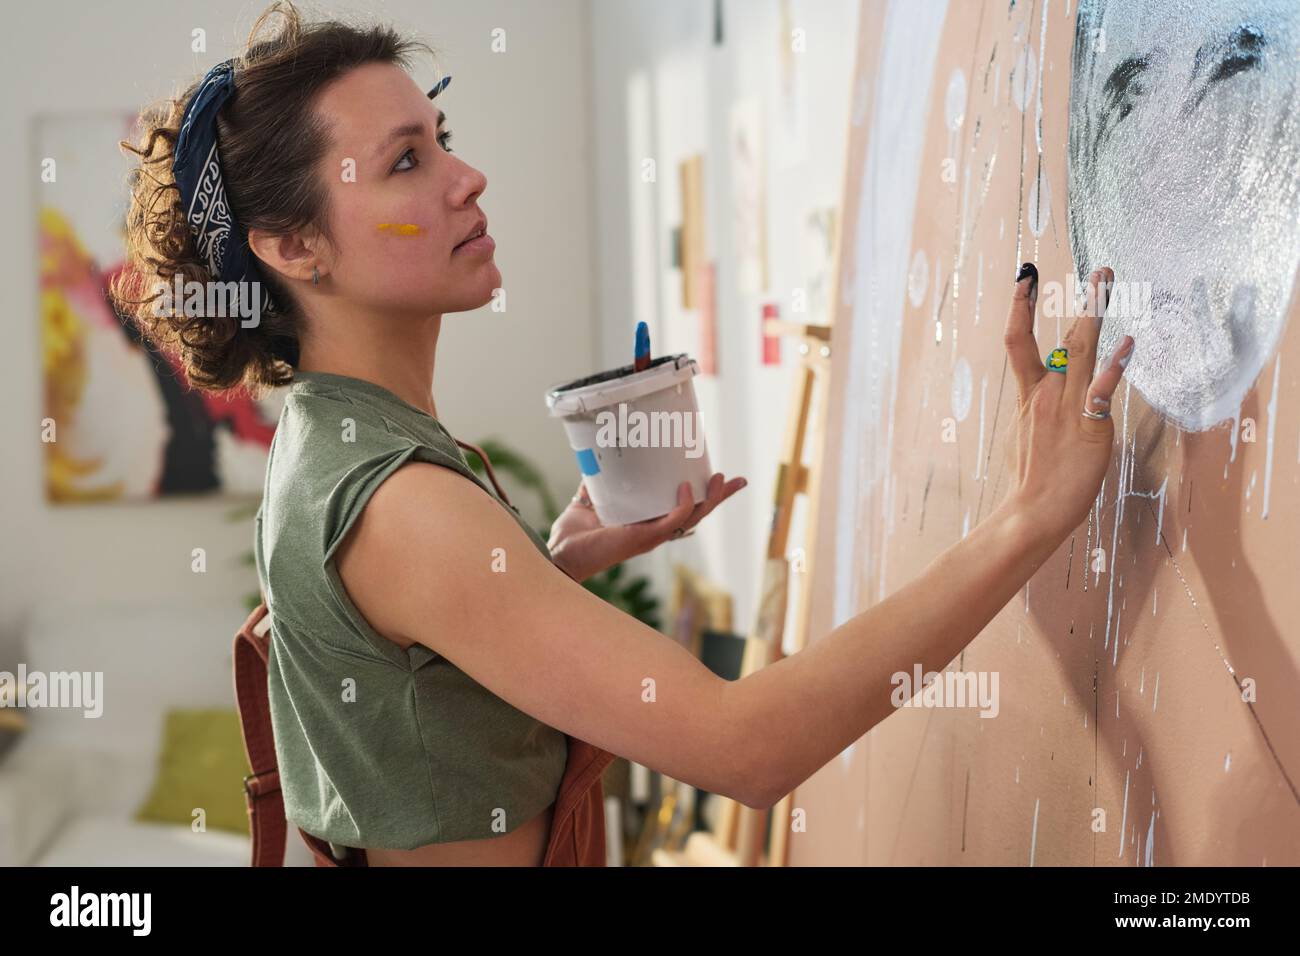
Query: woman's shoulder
column 332, row 432
column 358, row 411
column 335, row 447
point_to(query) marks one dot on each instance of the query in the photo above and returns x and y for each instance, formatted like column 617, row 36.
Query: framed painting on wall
column 120, row 420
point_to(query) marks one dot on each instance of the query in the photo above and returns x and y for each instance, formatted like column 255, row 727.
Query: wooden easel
column 737, row 836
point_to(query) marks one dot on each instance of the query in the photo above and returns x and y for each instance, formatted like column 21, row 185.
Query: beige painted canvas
column 1148, row 678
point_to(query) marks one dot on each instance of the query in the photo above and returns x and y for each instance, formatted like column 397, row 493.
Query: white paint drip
column 1123, row 823
column 1272, row 429
column 1115, row 653
column 1119, row 516
column 1038, row 109
column 1033, row 838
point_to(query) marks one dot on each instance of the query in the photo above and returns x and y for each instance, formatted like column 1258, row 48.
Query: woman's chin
column 490, row 287
column 476, row 298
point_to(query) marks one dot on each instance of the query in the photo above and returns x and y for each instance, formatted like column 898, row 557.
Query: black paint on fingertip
column 1028, row 270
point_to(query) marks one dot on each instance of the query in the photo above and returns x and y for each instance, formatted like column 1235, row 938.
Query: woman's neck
column 398, row 355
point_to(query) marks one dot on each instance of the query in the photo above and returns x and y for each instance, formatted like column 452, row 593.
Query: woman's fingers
column 1103, row 388
column 1081, row 340
column 664, row 526
column 719, row 490
column 686, row 515
column 1022, row 347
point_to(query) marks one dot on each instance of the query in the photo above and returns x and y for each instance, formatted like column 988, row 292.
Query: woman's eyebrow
column 406, row 129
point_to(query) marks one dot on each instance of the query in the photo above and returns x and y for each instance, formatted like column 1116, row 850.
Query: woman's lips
column 481, row 245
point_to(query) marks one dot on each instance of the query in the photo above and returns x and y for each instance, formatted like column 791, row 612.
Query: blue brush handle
column 642, row 353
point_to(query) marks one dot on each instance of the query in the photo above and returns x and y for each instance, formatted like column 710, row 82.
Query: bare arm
column 419, row 564
column 422, row 573
column 808, row 707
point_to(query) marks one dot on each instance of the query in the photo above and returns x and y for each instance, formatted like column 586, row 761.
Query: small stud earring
column 315, row 276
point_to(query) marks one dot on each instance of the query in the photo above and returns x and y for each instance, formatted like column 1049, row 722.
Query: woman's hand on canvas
column 581, row 546
column 1062, row 454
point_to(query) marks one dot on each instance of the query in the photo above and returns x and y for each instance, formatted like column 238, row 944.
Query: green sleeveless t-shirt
column 377, row 746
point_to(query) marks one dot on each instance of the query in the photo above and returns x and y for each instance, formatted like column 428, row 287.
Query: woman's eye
column 444, row 140
column 400, row 167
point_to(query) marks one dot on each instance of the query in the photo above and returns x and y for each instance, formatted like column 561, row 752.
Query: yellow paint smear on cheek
column 407, row 229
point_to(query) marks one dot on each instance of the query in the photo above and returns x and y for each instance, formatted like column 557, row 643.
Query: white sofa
column 71, row 785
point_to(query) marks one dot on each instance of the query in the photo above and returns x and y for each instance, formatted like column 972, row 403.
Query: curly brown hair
column 270, row 141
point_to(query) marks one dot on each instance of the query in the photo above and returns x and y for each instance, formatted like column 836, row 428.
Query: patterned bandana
column 196, row 166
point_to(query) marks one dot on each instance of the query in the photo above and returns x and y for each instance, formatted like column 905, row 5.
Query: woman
column 382, row 564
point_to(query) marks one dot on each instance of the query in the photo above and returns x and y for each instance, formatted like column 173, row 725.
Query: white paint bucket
column 637, row 436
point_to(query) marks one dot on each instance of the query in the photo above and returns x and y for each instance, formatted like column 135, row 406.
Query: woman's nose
column 470, row 184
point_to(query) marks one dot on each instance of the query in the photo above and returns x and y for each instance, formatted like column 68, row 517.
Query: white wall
column 660, row 58
column 520, row 116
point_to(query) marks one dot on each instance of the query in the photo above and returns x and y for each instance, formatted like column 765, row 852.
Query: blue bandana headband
column 196, row 167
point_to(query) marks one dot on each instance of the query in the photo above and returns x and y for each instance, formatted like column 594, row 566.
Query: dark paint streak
column 997, row 411
column 1242, row 51
column 1069, row 566
column 1096, row 744
column 965, row 804
column 925, row 496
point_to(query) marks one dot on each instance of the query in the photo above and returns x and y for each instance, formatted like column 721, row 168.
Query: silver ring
column 1095, row 416
column 678, row 532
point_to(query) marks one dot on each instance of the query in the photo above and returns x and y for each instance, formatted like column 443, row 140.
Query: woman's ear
column 291, row 256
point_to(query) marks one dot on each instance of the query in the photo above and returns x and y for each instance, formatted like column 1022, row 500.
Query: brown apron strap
column 488, row 465
column 262, row 786
column 262, row 792
column 577, row 835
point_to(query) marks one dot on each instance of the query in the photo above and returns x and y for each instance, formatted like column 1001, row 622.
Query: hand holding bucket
column 637, row 436
column 582, row 546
